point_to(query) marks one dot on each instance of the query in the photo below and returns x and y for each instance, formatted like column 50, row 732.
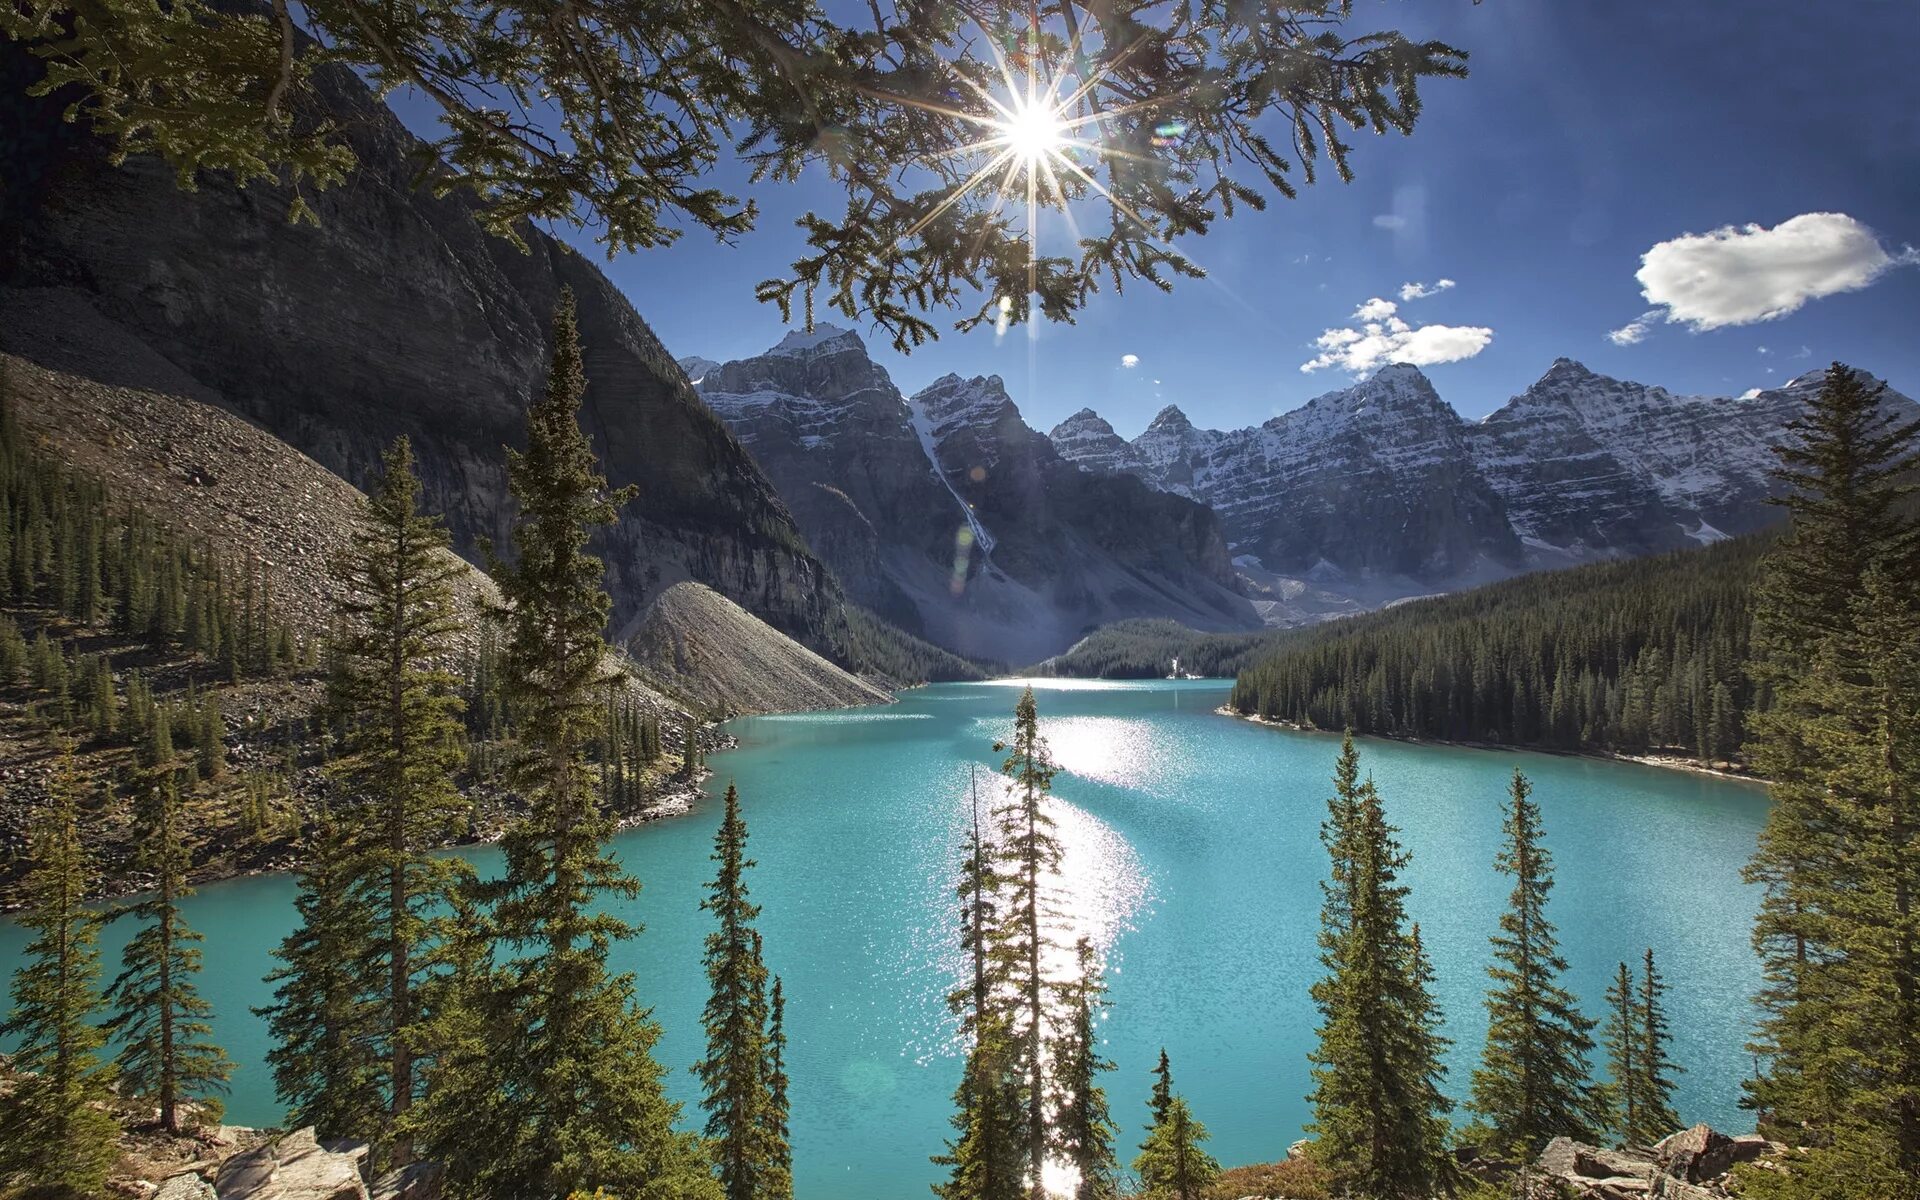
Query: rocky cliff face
column 1384, row 485
column 949, row 515
column 1377, row 480
column 1592, row 466
column 397, row 315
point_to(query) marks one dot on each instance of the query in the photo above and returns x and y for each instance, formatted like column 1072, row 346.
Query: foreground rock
column 294, row 1167
column 1694, row 1164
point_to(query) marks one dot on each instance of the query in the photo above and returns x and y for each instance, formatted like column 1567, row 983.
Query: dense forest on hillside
column 1646, row 655
column 867, row 645
column 1146, row 647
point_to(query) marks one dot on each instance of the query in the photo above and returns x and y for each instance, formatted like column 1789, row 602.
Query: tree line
column 1645, row 655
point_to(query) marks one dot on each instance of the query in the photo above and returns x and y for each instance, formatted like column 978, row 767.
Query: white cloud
column 1420, row 291
column 1390, row 221
column 1738, row 275
column 1635, row 331
column 1383, row 337
column 1129, row 361
column 1765, row 350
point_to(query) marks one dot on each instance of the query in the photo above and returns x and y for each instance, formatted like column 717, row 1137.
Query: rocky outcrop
column 396, row 315
column 1693, row 1164
column 947, row 514
column 294, row 1167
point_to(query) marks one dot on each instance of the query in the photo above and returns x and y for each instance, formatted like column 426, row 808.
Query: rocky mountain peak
column 1169, row 420
column 697, row 368
column 822, row 339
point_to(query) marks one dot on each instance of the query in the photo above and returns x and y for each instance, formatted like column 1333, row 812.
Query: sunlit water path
column 1192, row 858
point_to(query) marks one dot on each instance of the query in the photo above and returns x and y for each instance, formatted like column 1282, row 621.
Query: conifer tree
column 1836, row 932
column 780, row 1175
column 1084, row 1126
column 1028, row 855
column 987, row 1160
column 576, row 1097
column 1533, row 1083
column 1379, row 1113
column 1656, row 1065
column 400, row 714
column 166, row 1050
column 1162, row 1093
column 326, row 1010
column 59, row 1137
column 1623, row 1040
column 1172, row 1165
column 733, row 1075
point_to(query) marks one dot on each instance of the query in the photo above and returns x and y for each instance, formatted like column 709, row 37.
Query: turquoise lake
column 1193, row 860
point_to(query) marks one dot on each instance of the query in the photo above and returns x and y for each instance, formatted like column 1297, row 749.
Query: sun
column 1032, row 131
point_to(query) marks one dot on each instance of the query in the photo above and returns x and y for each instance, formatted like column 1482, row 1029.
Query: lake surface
column 1193, row 860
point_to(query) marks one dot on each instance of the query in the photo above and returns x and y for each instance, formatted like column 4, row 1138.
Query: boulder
column 1696, row 1155
column 294, row 1167
column 189, row 1185
column 1298, row 1151
column 1567, row 1159
column 1751, row 1147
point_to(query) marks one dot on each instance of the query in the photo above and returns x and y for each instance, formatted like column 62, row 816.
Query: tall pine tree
column 60, row 1138
column 735, row 1089
column 1084, row 1126
column 1533, row 1083
column 1379, row 1113
column 1656, row 1065
column 780, row 1176
column 988, row 1159
column 400, row 712
column 167, row 1054
column 1837, row 933
column 325, row 1014
column 1027, row 859
column 576, row 1097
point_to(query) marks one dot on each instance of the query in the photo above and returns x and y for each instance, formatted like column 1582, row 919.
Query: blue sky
column 1587, row 133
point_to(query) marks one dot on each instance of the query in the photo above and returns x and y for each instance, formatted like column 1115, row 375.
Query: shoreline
column 1665, row 762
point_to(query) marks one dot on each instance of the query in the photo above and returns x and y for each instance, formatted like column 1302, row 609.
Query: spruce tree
column 1533, row 1083
column 1656, row 1065
column 1624, row 1042
column 780, row 1174
column 577, row 1097
column 400, row 714
column 60, row 1138
column 1162, row 1094
column 987, row 1160
column 1027, row 859
column 733, row 1075
column 1084, row 1126
column 1172, row 1165
column 1379, row 1113
column 326, row 1010
column 167, row 1054
column 1836, row 932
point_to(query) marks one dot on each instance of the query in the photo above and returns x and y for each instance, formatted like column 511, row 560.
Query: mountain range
column 948, row 515
column 1384, row 487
